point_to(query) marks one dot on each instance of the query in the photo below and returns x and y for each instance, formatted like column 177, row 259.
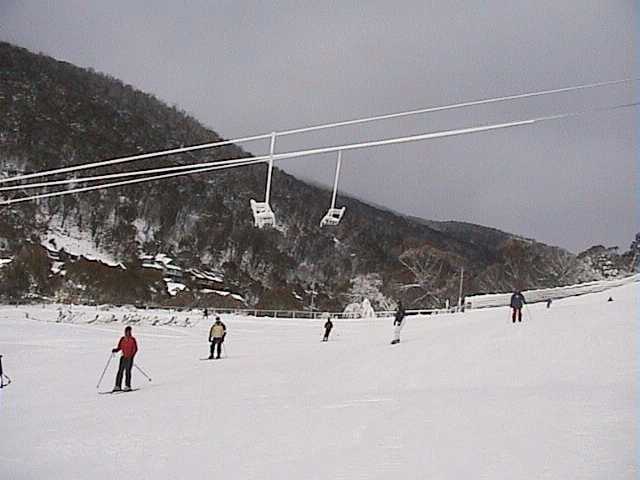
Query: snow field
column 462, row 396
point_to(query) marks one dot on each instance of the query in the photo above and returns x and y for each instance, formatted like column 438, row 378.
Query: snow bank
column 541, row 295
column 105, row 314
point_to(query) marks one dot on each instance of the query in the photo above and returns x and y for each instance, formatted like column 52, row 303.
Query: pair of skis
column 116, row 392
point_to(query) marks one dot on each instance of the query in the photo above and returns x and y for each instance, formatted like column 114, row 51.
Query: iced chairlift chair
column 263, row 216
column 334, row 215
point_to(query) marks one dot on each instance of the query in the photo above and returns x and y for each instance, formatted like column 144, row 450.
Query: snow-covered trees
column 369, row 287
column 634, row 251
column 605, row 261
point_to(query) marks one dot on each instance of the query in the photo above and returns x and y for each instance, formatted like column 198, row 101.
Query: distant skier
column 517, row 301
column 205, row 314
column 129, row 347
column 328, row 325
column 216, row 337
column 549, row 303
column 398, row 323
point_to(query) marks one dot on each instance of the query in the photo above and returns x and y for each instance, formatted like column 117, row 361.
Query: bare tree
column 431, row 271
column 564, row 267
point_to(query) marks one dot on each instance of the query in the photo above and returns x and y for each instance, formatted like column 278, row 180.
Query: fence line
column 305, row 314
column 250, row 312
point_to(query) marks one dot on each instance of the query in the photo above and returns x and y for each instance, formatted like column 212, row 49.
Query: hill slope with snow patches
column 462, row 396
column 106, row 246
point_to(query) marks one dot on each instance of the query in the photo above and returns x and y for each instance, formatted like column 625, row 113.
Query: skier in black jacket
column 517, row 301
column 328, row 325
column 398, row 323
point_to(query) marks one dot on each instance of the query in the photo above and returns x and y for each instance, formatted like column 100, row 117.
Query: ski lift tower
column 312, row 295
column 263, row 216
column 334, row 215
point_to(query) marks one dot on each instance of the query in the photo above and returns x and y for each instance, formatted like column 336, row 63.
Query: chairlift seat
column 263, row 216
column 333, row 217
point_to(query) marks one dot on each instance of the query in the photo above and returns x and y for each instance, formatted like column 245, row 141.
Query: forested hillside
column 191, row 240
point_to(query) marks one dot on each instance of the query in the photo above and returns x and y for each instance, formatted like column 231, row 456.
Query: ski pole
column 141, row 371
column 105, row 370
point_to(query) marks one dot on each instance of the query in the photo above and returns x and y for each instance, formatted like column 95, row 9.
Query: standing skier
column 216, row 337
column 328, row 325
column 129, row 347
column 398, row 323
column 517, row 301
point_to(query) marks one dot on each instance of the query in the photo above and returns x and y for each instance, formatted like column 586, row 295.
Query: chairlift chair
column 334, row 215
column 263, row 216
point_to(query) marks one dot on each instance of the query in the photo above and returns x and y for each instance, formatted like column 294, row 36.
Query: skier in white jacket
column 398, row 323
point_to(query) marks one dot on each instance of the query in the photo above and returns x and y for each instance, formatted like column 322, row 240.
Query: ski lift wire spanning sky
column 232, row 163
column 240, row 140
column 263, row 214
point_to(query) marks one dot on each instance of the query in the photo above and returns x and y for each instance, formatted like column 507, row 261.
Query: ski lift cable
column 445, row 133
column 127, row 182
column 317, row 151
column 142, row 156
column 135, row 173
column 322, row 150
column 192, row 148
column 454, row 106
column 231, row 162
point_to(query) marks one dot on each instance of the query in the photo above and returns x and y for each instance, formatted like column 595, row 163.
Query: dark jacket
column 328, row 325
column 400, row 313
column 517, row 300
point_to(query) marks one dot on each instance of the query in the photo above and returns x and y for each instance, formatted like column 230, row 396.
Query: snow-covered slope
column 462, row 396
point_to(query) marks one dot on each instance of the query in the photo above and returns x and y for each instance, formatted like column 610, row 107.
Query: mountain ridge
column 58, row 114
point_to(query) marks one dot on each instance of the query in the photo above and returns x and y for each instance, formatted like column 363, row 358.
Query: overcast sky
column 246, row 67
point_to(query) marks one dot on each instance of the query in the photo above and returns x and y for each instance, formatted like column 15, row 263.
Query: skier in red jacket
column 129, row 347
